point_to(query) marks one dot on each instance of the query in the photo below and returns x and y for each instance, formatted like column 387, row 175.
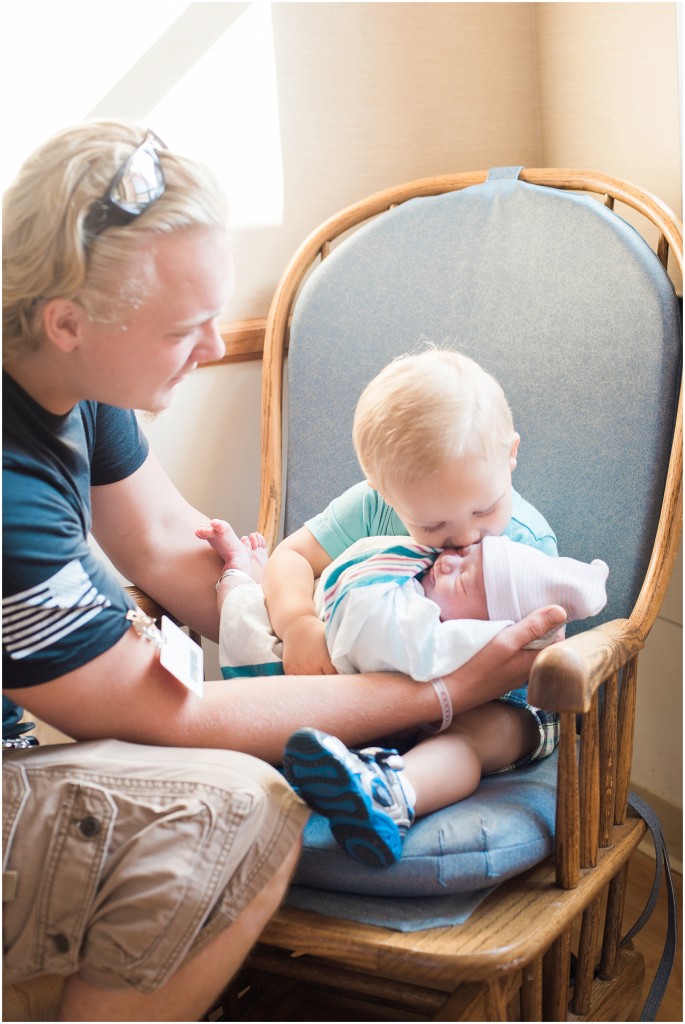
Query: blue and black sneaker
column 359, row 792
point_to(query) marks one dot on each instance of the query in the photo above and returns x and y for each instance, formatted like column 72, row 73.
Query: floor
column 650, row 940
column 292, row 1002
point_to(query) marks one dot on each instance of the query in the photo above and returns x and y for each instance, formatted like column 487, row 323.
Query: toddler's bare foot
column 246, row 553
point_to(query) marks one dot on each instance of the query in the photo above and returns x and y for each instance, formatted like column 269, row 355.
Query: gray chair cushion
column 506, row 826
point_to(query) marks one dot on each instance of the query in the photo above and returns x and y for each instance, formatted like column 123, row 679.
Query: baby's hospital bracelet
column 236, row 573
column 443, row 695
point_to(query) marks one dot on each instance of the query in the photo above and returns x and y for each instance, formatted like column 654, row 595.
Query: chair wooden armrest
column 156, row 610
column 147, row 603
column 566, row 675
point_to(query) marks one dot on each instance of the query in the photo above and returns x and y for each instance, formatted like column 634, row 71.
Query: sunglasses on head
column 138, row 184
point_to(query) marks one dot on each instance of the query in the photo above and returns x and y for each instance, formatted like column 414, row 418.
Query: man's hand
column 503, row 664
column 305, row 651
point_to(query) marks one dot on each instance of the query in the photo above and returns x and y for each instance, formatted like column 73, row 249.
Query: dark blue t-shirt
column 62, row 606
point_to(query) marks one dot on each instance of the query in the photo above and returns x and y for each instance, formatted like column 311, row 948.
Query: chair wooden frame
column 513, row 954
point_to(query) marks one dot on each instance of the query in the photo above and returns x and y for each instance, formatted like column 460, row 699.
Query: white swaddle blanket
column 377, row 618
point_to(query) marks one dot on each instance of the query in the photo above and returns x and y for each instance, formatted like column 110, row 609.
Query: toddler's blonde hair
column 422, row 411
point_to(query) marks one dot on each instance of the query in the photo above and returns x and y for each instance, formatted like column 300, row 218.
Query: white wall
column 610, row 99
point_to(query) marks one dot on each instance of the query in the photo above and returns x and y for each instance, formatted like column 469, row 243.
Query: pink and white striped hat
column 519, row 579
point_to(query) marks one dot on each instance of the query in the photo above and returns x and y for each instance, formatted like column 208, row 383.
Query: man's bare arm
column 126, row 694
column 147, row 529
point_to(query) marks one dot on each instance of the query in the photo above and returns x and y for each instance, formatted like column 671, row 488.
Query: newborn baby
column 396, row 607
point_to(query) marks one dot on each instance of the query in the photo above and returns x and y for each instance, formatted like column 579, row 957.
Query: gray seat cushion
column 506, row 826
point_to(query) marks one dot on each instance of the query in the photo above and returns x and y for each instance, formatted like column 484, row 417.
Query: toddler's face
column 455, row 582
column 458, row 506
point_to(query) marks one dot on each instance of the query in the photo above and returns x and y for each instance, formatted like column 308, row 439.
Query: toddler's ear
column 514, row 452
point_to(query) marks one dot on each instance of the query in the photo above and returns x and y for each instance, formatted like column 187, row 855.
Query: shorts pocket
column 65, row 846
column 161, row 885
column 77, row 854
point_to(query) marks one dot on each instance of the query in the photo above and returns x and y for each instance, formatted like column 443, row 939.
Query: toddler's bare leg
column 448, row 767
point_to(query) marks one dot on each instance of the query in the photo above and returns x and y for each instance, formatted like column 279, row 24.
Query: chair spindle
column 531, row 991
column 607, row 760
column 587, row 955
column 589, row 786
column 626, row 729
column 612, row 924
column 568, row 811
column 555, row 982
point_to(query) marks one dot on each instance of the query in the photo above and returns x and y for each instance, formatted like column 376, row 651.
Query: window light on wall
column 202, row 75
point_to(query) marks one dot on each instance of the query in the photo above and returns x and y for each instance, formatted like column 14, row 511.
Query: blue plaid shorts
column 548, row 730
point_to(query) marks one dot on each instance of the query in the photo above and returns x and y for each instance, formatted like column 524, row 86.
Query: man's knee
column 126, row 858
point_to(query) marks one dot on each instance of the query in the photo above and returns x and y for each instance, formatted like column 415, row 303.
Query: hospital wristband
column 443, row 695
column 232, row 572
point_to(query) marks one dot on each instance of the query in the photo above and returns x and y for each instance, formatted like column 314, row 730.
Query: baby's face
column 456, row 584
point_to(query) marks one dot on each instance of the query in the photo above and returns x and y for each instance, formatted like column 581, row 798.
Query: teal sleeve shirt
column 361, row 512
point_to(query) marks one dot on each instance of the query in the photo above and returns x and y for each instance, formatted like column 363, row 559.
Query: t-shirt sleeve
column 62, row 606
column 358, row 512
column 528, row 526
column 119, row 446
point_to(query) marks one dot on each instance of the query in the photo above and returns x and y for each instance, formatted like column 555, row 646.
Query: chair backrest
column 556, row 296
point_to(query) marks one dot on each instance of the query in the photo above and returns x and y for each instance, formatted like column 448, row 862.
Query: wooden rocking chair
column 533, row 274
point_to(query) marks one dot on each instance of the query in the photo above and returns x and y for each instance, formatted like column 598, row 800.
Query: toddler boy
column 435, row 438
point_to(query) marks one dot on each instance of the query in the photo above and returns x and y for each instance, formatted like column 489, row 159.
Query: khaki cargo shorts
column 120, row 859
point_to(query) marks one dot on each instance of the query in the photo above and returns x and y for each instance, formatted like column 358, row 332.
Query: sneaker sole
column 331, row 789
